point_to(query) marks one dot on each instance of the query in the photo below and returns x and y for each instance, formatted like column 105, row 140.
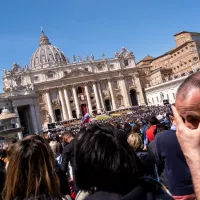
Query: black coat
column 63, row 179
column 154, row 159
column 2, row 181
column 146, row 189
column 68, row 156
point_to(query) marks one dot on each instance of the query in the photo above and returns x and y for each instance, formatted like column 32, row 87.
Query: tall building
column 164, row 74
column 54, row 89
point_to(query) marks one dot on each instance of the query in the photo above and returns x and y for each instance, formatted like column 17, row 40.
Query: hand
column 189, row 140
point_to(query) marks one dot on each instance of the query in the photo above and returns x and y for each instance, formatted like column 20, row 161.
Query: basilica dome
column 47, row 54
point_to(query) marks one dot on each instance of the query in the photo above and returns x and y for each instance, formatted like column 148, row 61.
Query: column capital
column 73, row 85
column 67, row 87
column 46, row 90
column 85, row 83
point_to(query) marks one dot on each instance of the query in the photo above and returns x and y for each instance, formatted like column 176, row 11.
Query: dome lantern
column 44, row 39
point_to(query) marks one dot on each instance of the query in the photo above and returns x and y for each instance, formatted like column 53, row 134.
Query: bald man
column 187, row 117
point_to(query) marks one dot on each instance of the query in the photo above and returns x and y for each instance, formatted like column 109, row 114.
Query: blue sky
column 85, row 27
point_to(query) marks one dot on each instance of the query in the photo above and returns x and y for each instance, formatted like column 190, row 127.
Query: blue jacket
column 171, row 158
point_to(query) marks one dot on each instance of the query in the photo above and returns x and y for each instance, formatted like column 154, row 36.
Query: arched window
column 126, row 63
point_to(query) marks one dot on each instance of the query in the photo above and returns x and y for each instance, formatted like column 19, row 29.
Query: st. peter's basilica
column 53, row 89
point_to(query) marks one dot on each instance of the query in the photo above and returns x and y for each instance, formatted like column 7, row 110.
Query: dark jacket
column 146, row 189
column 148, row 165
column 154, row 159
column 68, row 156
column 171, row 158
column 2, row 181
column 63, row 179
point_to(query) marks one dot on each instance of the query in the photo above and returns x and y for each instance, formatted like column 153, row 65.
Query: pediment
column 78, row 73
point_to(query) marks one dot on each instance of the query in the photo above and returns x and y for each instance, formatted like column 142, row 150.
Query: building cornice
column 172, row 82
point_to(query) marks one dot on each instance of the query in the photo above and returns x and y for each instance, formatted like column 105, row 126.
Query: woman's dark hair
column 102, row 162
column 153, row 120
column 31, row 170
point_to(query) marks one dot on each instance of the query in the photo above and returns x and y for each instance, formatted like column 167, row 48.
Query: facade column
column 78, row 112
column 88, row 99
column 34, row 119
column 125, row 93
column 64, row 109
column 101, row 96
column 140, row 91
column 97, row 98
column 68, row 104
column 18, row 123
column 49, row 105
column 112, row 95
column 38, row 117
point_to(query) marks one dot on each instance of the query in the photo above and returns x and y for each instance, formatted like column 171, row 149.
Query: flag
column 86, row 118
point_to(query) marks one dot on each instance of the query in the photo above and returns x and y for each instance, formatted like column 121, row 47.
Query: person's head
column 135, row 128
column 160, row 128
column 102, row 161
column 153, row 120
column 187, row 100
column 68, row 136
column 135, row 141
column 31, row 170
column 170, row 117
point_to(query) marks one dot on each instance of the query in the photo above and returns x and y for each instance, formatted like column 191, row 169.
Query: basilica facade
column 54, row 89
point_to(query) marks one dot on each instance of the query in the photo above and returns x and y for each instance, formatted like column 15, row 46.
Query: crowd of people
column 149, row 153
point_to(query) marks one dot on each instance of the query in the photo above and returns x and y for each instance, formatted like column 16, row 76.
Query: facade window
column 125, row 63
column 130, row 82
column 86, row 69
column 167, row 96
column 103, row 86
column 157, row 99
column 36, row 78
column 69, row 93
column 50, row 75
column 90, row 88
column 152, row 100
column 120, row 101
column 173, row 95
column 53, row 95
column 111, row 66
column 100, row 67
column 115, row 84
column 65, row 73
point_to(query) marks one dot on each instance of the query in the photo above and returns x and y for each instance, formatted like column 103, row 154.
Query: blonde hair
column 135, row 141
